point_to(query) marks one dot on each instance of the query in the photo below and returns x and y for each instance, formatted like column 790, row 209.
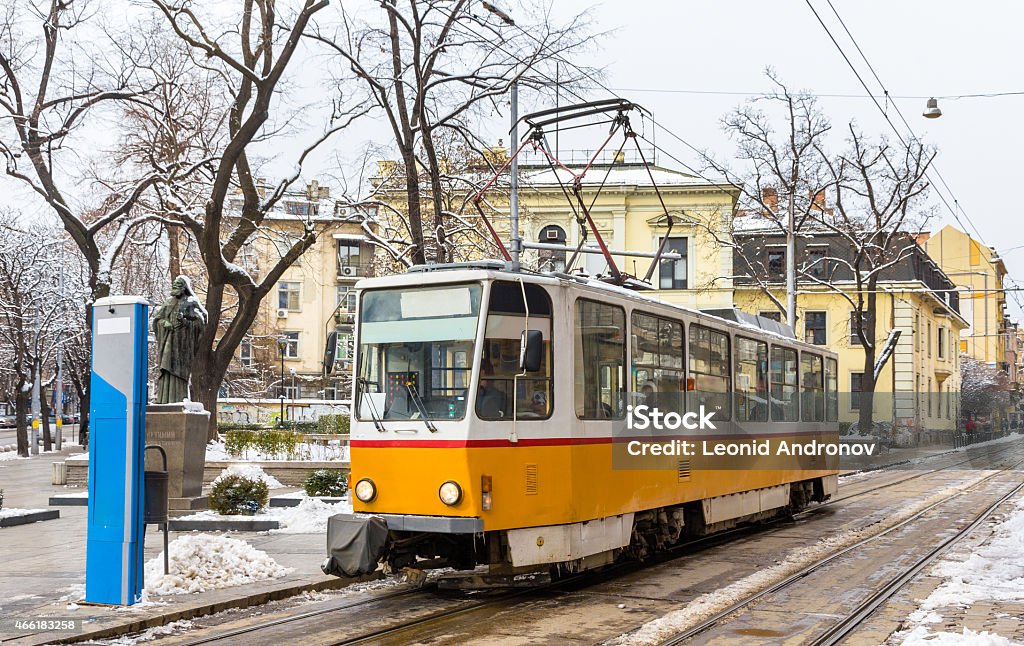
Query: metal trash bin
column 154, row 512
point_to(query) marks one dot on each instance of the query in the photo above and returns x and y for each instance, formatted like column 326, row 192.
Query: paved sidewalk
column 43, row 564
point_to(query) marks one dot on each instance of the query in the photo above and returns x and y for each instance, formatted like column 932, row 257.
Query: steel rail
column 717, row 618
column 686, row 548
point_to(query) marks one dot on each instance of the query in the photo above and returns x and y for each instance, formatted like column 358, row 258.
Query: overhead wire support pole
column 514, row 180
column 791, row 263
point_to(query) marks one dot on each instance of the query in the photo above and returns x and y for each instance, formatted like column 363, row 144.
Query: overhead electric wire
column 944, row 97
column 885, row 114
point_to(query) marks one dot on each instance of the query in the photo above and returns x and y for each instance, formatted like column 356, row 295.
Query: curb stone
column 201, row 609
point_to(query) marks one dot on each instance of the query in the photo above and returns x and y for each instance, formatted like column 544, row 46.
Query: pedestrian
column 969, row 426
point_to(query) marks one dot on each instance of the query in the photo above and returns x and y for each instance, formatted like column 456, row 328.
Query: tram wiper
column 364, row 383
column 415, row 397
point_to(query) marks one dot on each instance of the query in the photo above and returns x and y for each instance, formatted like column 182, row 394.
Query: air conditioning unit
column 349, row 271
column 282, row 313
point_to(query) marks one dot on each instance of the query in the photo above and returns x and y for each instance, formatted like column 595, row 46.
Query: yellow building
column 979, row 273
column 312, row 299
column 918, row 386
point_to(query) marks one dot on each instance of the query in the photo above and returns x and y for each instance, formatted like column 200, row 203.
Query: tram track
column 501, row 600
column 845, row 626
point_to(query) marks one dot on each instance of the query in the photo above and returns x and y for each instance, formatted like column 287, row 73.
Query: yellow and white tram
column 489, row 422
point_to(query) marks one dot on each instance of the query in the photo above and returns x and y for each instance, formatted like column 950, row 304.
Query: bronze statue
column 178, row 324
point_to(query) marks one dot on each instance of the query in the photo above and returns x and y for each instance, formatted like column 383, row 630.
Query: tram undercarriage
column 357, row 544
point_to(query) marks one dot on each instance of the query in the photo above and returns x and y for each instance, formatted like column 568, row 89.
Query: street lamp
column 931, row 110
column 282, row 345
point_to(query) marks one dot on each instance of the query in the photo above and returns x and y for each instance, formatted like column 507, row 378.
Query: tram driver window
column 600, row 357
column 709, row 372
column 785, row 404
column 500, row 386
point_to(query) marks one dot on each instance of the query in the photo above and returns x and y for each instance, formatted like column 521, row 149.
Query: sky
column 692, row 62
column 939, row 48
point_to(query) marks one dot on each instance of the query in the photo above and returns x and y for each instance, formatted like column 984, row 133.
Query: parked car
column 7, row 421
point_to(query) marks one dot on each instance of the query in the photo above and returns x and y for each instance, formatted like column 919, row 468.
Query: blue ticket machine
column 117, row 439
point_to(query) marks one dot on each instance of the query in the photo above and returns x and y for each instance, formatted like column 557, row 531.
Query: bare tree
column 879, row 191
column 432, row 67
column 250, row 52
column 782, row 178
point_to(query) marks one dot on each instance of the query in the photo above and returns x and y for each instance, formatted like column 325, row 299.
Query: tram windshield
column 416, row 352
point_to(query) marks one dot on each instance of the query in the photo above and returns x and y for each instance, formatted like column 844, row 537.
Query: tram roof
column 495, row 270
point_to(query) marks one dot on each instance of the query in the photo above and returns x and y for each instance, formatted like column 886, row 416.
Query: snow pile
column 708, row 604
column 250, row 471
column 150, row 633
column 992, row 572
column 9, row 455
column 308, row 517
column 201, row 562
column 921, row 637
column 11, row 512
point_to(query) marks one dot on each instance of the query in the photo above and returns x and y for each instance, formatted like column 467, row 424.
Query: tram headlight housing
column 450, row 493
column 365, row 490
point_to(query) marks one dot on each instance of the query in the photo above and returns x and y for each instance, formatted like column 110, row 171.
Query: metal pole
column 58, row 384
column 34, row 449
column 514, row 180
column 280, row 348
column 791, row 265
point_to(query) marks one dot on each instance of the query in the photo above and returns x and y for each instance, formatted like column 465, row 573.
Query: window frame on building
column 780, row 251
column 669, row 269
column 245, row 356
column 289, row 292
column 291, row 346
column 856, row 388
column 808, row 314
column 346, row 259
column 854, row 337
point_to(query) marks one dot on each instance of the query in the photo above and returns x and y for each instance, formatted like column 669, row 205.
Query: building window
column 550, row 259
column 291, row 345
column 817, row 264
column 245, row 353
column 854, row 322
column 776, row 261
column 288, row 295
column 928, row 339
column 346, row 304
column 343, row 350
column 814, row 327
column 299, row 208
column 856, row 385
column 931, row 396
column 774, row 315
column 672, row 273
column 291, row 392
column 348, row 255
column 942, row 342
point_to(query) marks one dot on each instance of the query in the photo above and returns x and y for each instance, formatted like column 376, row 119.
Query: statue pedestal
column 181, row 430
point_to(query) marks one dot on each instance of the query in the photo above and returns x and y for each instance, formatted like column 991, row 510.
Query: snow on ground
column 333, row 452
column 250, row 471
column 148, row 635
column 10, row 455
column 201, row 562
column 921, row 636
column 11, row 512
column 308, row 517
column 992, row 572
column 1012, row 437
column 710, row 603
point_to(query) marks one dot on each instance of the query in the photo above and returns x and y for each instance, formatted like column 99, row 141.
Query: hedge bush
column 326, row 482
column 274, row 444
column 238, row 495
column 334, row 424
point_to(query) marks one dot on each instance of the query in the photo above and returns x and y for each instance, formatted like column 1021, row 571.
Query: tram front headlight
column 366, row 490
column 450, row 493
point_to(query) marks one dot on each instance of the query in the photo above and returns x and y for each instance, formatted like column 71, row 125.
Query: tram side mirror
column 330, row 351
column 531, row 350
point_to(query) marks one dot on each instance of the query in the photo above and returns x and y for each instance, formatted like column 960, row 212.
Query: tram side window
column 600, row 358
column 785, row 405
column 657, row 362
column 813, row 375
column 751, row 380
column 831, row 390
column 500, row 386
column 709, row 371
